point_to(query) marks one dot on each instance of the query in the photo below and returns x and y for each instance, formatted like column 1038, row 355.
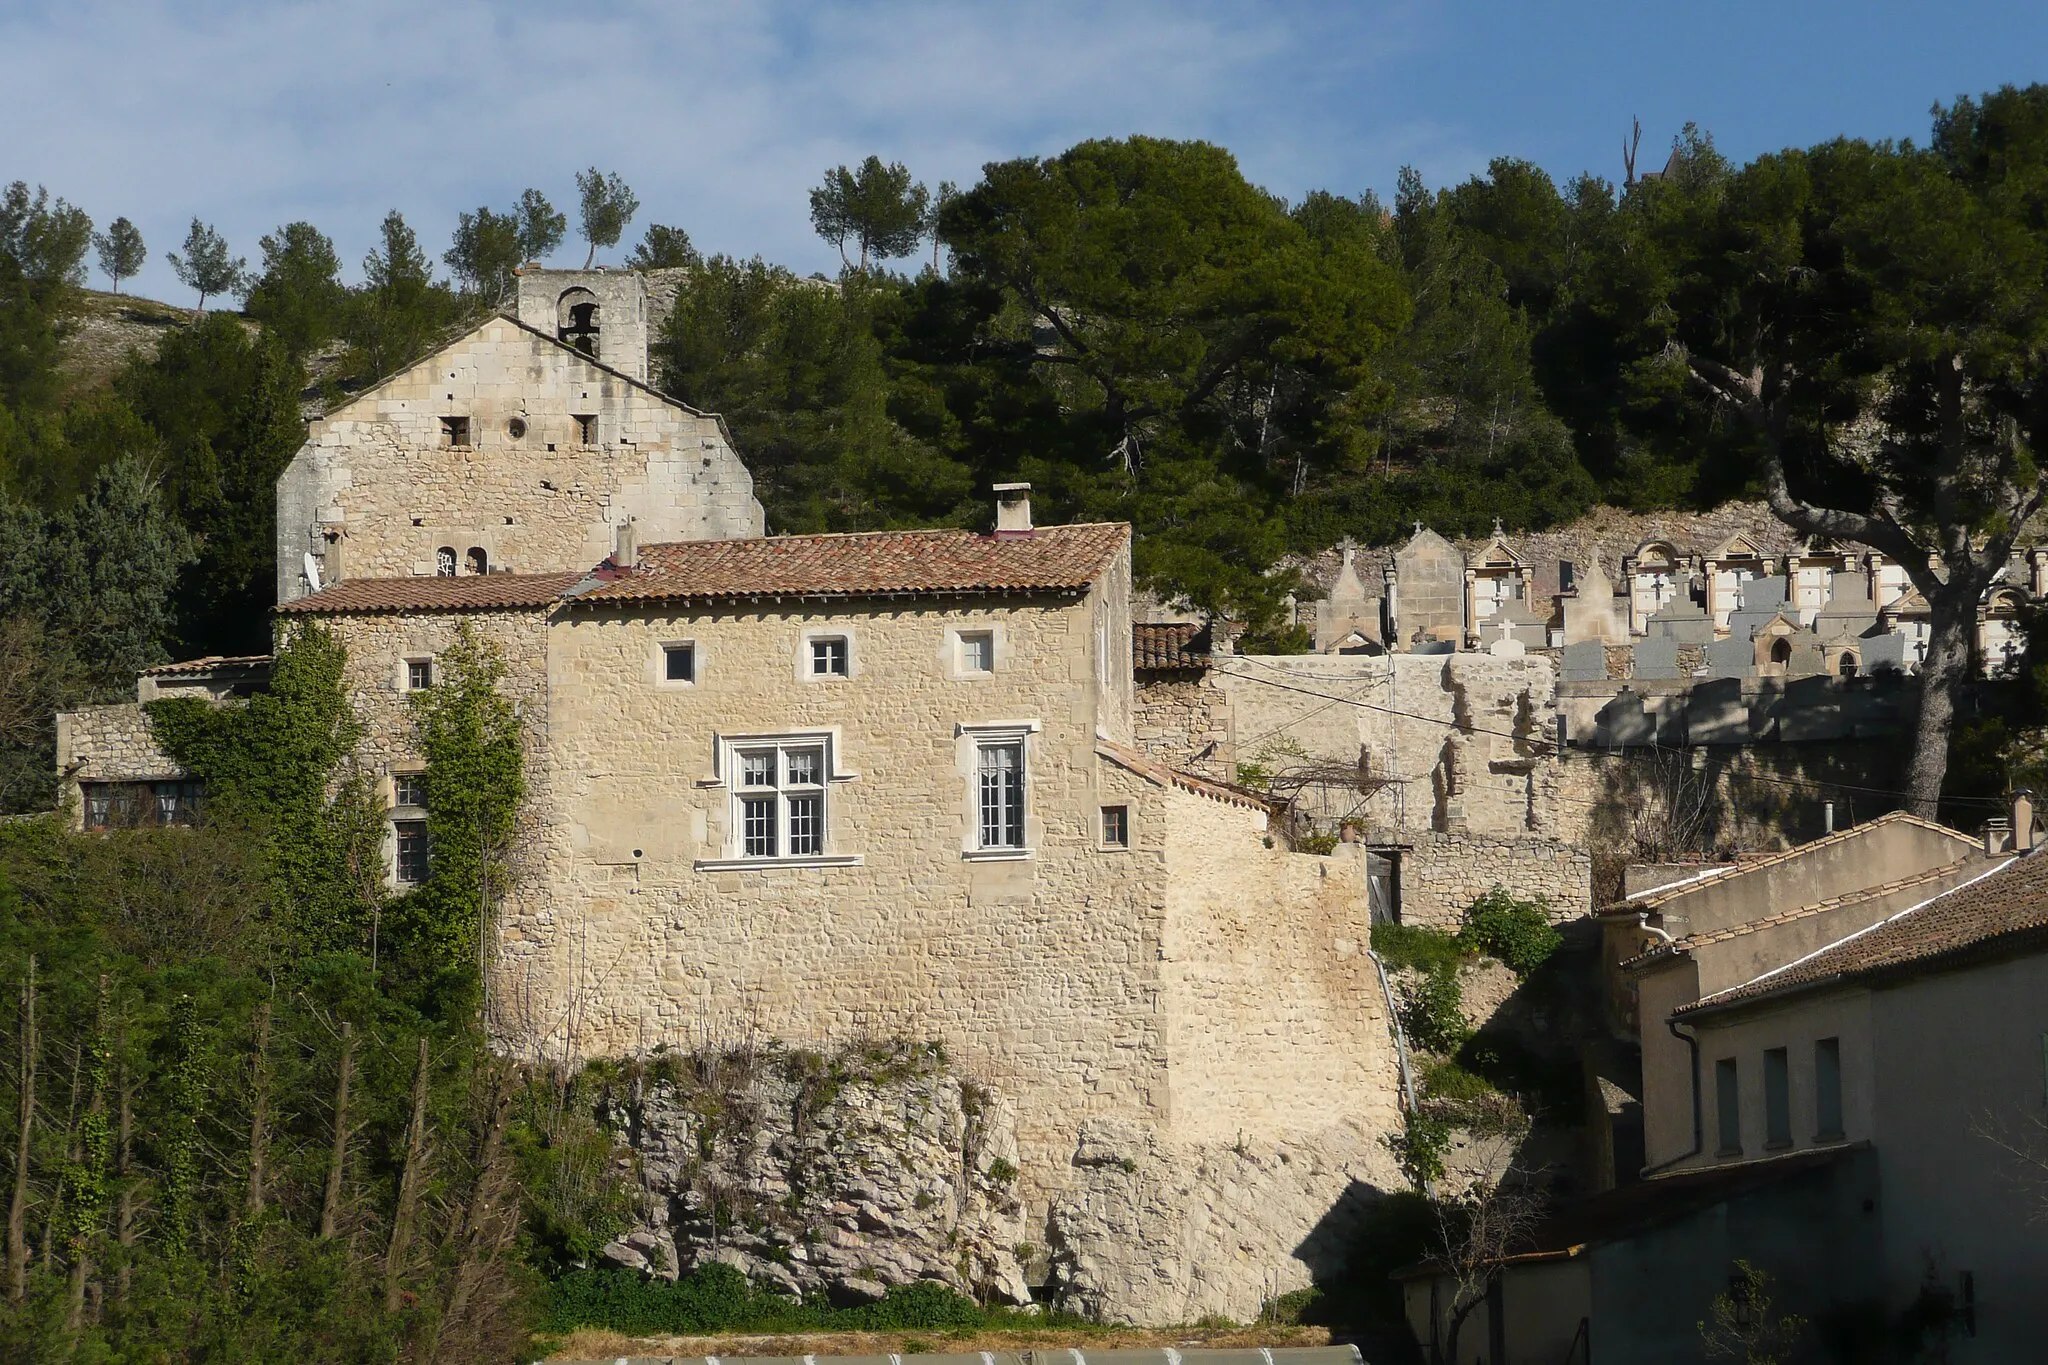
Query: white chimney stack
column 626, row 553
column 2022, row 820
column 1013, row 509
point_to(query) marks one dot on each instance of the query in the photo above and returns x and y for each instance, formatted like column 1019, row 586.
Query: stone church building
column 824, row 787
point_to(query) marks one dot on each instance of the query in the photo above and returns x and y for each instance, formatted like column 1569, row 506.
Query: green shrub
column 1552, row 1084
column 717, row 1298
column 1432, row 1010
column 1413, row 946
column 1421, row 1147
column 1518, row 932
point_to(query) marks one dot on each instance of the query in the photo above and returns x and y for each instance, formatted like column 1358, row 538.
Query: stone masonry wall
column 111, row 744
column 1442, row 874
column 1185, row 722
column 375, row 472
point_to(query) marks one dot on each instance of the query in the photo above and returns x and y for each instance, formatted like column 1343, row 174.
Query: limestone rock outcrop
column 845, row 1175
column 1158, row 1231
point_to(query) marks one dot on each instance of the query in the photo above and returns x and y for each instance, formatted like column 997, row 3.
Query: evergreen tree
column 485, row 252
column 541, row 227
column 608, row 206
column 114, row 561
column 298, row 297
column 395, row 317
column 207, row 265
column 42, row 247
column 121, row 251
column 663, row 248
column 877, row 208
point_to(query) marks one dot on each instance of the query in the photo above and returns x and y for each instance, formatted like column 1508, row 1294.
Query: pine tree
column 121, row 251
column 206, row 265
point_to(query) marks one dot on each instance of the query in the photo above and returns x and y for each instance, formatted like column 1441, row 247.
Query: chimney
column 2022, row 808
column 1997, row 837
column 625, row 553
column 1013, row 509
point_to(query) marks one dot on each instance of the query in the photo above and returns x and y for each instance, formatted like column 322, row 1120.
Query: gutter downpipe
column 1692, row 1044
column 1401, row 1040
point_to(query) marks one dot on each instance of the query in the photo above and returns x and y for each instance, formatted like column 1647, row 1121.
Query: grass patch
column 1420, row 949
column 719, row 1299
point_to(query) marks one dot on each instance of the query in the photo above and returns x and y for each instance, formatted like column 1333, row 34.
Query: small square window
column 413, row 851
column 1116, row 826
column 419, row 674
column 586, row 430
column 409, row 789
column 978, row 651
column 454, row 431
column 679, row 663
column 828, row 657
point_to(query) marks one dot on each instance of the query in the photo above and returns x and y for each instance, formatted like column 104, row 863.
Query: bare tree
column 1478, row 1232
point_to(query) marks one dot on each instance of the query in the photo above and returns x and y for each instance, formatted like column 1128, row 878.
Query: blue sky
column 722, row 115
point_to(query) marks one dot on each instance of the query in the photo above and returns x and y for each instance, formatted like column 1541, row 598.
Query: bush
column 1421, row 1148
column 1412, row 946
column 1518, row 932
column 717, row 1298
column 1432, row 1010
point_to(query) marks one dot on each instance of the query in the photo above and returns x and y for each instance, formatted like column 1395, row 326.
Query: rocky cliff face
column 843, row 1175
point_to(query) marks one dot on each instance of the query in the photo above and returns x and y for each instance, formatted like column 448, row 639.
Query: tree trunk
column 259, row 1116
column 337, row 1157
column 1952, row 616
column 408, row 1185
column 124, row 1208
column 70, row 1155
column 484, row 1230
column 17, row 1208
column 82, row 1238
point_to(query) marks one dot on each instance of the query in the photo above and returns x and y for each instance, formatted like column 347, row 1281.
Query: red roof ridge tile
column 1164, row 775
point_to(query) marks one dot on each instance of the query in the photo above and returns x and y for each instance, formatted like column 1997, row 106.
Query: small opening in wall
column 516, row 427
column 479, row 562
column 679, row 663
column 419, row 521
column 419, row 674
column 454, row 431
column 508, row 521
column 444, row 562
column 586, row 430
column 1116, row 826
column 829, row 657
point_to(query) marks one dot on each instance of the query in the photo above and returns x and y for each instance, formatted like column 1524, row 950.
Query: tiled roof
column 206, row 665
column 1152, row 770
column 2005, row 908
column 867, row 564
column 1688, row 942
column 1644, row 901
column 474, row 592
column 1170, row 645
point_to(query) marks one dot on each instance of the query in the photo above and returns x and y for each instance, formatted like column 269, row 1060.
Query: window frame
column 975, row 739
column 957, row 638
column 1827, row 1090
column 1777, row 1068
column 730, row 754
column 663, row 651
column 1102, row 823
column 401, row 830
column 1728, row 1106
column 405, row 675
column 812, row 645
column 454, row 426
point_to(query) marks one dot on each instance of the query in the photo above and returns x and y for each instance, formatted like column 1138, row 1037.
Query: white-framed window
column 977, row 651
column 409, row 791
column 419, row 674
column 831, row 656
column 999, row 782
column 781, row 808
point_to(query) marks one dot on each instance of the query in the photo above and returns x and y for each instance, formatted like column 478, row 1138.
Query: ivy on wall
column 282, row 765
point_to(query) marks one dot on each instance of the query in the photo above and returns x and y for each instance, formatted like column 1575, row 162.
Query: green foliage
column 663, row 248
column 1550, row 1084
column 717, row 1298
column 207, row 266
column 1418, row 947
column 541, row 226
column 41, row 247
column 298, row 295
column 400, row 311
column 488, row 247
column 1421, row 1146
column 278, row 768
column 1740, row 1323
column 607, row 206
column 1432, row 1014
column 469, row 735
column 877, row 208
column 1518, row 932
column 121, row 251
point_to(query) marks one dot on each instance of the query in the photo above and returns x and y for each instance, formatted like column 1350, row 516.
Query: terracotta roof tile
column 1170, row 645
column 206, row 665
column 2006, row 907
column 475, row 592
column 1152, row 770
column 869, row 563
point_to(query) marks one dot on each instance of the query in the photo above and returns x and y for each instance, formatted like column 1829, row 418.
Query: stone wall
column 1185, row 721
column 1442, row 874
column 375, row 493
column 108, row 744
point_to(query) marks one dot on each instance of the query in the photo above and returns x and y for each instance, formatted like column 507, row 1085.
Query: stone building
column 824, row 788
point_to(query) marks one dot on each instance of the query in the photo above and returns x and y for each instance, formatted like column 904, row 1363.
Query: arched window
column 576, row 321
column 444, row 562
column 479, row 562
column 1781, row 651
column 1847, row 667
